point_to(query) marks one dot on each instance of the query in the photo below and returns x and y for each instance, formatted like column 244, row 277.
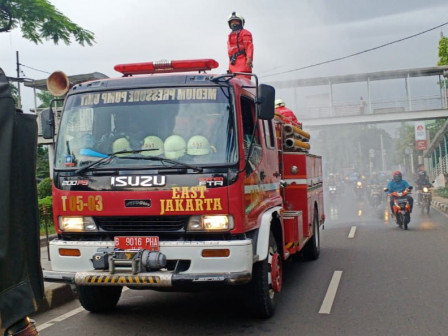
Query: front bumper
column 232, row 270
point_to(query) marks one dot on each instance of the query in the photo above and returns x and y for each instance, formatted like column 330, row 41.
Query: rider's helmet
column 198, row 145
column 279, row 103
column 154, row 143
column 174, row 147
column 235, row 16
column 397, row 176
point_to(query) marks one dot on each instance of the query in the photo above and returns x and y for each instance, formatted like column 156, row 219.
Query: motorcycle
column 359, row 189
column 425, row 199
column 401, row 207
column 332, row 191
column 375, row 196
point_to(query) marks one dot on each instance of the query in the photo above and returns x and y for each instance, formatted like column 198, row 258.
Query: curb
column 55, row 293
column 443, row 207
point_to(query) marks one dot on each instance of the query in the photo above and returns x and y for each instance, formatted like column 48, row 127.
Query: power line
column 26, row 66
column 357, row 53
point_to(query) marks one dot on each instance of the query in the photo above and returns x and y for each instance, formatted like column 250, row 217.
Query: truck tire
column 267, row 276
column 99, row 299
column 311, row 251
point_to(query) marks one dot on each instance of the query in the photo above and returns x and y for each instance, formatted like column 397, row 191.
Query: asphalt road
column 371, row 279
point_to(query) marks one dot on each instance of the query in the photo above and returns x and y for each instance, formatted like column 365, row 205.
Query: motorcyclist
column 422, row 181
column 397, row 184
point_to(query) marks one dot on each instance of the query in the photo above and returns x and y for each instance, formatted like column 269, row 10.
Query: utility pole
column 383, row 163
column 19, row 100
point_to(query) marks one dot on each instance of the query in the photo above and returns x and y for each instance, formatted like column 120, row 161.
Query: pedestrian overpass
column 326, row 109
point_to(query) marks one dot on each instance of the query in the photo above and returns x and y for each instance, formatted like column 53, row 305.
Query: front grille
column 142, row 223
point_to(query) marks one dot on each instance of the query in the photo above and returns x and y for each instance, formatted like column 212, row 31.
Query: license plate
column 136, row 243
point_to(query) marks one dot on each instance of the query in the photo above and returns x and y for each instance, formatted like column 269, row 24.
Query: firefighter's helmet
column 235, row 16
column 198, row 145
column 174, row 147
column 121, row 144
column 279, row 103
column 154, row 144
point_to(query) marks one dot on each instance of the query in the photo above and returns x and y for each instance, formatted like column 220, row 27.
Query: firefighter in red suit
column 239, row 45
column 286, row 113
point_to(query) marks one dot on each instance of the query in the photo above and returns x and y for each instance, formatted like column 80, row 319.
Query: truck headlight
column 210, row 223
column 77, row 224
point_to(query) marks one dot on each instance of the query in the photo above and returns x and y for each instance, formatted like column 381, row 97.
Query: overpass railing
column 342, row 109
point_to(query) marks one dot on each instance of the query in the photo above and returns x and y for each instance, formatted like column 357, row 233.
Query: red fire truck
column 172, row 178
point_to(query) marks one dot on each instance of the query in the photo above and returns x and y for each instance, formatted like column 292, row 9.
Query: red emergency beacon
column 166, row 66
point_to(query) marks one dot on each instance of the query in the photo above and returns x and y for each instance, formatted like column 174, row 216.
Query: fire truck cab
column 172, row 178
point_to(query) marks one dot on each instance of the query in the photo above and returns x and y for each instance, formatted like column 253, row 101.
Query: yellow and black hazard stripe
column 122, row 279
column 292, row 244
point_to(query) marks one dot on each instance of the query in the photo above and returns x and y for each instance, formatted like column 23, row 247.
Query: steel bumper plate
column 150, row 279
column 159, row 279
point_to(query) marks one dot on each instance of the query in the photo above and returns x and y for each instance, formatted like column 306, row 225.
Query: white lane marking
column 352, row 232
column 63, row 317
column 59, row 318
column 331, row 293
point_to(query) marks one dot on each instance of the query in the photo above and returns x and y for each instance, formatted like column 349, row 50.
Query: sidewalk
column 440, row 203
column 57, row 293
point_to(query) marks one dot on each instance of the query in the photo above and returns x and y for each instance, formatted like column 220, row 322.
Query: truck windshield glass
column 194, row 126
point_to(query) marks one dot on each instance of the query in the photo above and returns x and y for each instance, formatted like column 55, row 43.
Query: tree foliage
column 42, row 163
column 39, row 20
column 44, row 188
column 443, row 51
column 45, row 97
column 350, row 146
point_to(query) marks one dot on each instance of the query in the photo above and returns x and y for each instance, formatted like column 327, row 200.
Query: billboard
column 420, row 135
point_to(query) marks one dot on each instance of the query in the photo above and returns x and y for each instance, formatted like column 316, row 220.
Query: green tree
column 443, row 51
column 39, row 20
column 434, row 126
column 45, row 97
column 44, row 188
column 404, row 143
column 14, row 92
column 349, row 146
column 42, row 163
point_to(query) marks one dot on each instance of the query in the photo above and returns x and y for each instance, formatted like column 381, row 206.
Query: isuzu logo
column 138, row 181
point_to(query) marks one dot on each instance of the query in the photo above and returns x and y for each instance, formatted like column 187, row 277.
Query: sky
column 288, row 35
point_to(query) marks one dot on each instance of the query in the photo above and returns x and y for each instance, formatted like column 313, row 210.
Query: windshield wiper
column 107, row 159
column 158, row 158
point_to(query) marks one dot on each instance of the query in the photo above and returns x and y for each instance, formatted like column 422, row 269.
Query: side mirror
column 385, row 190
column 47, row 123
column 266, row 98
column 411, row 187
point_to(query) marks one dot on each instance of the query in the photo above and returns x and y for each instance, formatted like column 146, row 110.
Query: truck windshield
column 194, row 126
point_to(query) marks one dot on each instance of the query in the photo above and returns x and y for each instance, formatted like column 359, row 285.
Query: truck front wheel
column 267, row 276
column 99, row 299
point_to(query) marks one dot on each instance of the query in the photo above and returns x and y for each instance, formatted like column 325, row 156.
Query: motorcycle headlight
column 77, row 224
column 425, row 189
column 207, row 223
column 359, row 184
